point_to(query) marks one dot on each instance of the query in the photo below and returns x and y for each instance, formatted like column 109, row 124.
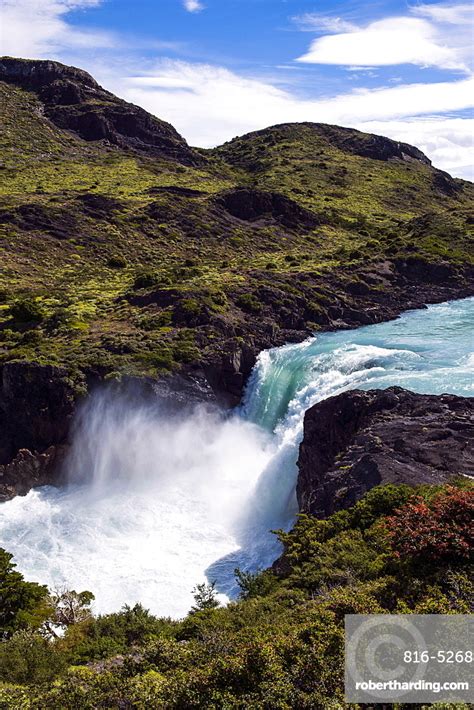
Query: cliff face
column 36, row 408
column 358, row 440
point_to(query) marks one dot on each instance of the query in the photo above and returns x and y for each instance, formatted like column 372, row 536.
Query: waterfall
column 157, row 502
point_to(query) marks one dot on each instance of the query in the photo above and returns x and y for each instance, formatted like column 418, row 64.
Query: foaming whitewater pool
column 156, row 503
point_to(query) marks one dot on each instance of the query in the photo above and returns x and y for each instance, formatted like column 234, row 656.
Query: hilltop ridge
column 350, row 140
column 60, row 85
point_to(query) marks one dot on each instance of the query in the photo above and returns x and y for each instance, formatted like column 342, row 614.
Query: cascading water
column 156, row 503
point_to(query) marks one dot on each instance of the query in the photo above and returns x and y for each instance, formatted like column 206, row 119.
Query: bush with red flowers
column 436, row 530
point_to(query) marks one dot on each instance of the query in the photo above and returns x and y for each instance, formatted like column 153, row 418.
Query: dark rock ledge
column 360, row 439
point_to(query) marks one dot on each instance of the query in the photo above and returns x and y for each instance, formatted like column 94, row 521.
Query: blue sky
column 218, row 68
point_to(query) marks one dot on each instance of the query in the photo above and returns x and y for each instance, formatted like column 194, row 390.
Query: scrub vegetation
column 280, row 645
column 118, row 261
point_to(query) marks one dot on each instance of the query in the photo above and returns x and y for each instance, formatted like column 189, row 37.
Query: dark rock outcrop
column 57, row 222
column 74, row 101
column 98, row 206
column 251, row 205
column 228, row 376
column 368, row 145
column 29, row 470
column 357, row 440
column 36, row 407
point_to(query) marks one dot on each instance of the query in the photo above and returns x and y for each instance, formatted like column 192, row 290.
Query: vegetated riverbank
column 128, row 254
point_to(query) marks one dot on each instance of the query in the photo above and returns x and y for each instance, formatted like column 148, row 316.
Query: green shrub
column 257, row 584
column 146, row 691
column 28, row 658
column 111, row 634
column 27, row 310
column 32, row 337
column 14, row 697
column 85, row 689
column 117, row 262
column 23, row 604
column 145, row 279
column 248, row 302
column 205, row 597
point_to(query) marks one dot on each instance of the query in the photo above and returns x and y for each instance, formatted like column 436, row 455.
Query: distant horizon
column 218, row 70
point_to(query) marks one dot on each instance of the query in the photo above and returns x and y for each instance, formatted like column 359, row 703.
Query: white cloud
column 438, row 36
column 193, row 5
column 449, row 14
column 37, row 28
column 315, row 21
column 210, row 105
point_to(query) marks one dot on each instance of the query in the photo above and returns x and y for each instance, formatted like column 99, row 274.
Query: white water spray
column 158, row 502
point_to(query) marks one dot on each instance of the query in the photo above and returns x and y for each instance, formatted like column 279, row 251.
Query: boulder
column 357, row 440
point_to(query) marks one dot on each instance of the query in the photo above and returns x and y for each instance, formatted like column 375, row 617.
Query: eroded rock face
column 36, row 407
column 250, row 205
column 36, row 74
column 29, row 470
column 73, row 100
column 357, row 440
column 368, row 145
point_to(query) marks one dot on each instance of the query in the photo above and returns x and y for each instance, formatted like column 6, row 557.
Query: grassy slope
column 78, row 261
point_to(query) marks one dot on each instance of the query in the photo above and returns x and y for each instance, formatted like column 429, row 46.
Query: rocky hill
column 126, row 253
column 358, row 440
column 73, row 100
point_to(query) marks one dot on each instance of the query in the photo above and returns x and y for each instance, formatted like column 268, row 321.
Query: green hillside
column 125, row 251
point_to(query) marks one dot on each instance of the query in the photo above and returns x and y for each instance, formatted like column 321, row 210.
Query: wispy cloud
column 435, row 35
column 320, row 22
column 193, row 5
column 35, row 29
column 449, row 14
